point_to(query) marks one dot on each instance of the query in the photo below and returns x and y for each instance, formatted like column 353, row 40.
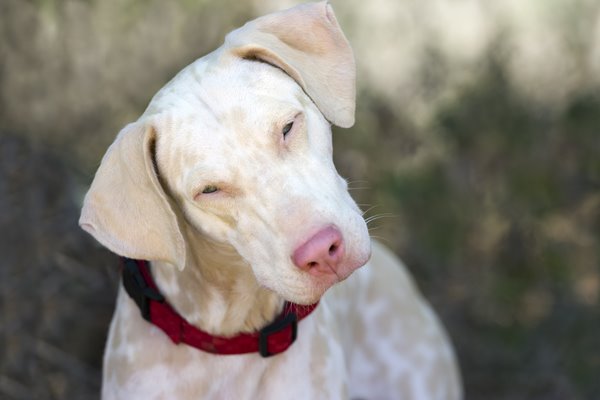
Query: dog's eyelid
column 210, row 189
column 289, row 125
column 287, row 128
column 206, row 190
column 217, row 190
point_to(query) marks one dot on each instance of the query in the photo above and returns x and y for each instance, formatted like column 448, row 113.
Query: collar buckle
column 276, row 329
column 138, row 289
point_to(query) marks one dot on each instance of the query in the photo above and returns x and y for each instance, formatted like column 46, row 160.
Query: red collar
column 273, row 339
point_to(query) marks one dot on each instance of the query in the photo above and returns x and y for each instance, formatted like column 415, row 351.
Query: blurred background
column 477, row 141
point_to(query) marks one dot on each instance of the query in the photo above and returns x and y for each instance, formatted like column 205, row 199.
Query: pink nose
column 322, row 253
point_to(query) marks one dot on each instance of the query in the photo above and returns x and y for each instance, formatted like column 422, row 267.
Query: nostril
column 333, row 249
column 322, row 252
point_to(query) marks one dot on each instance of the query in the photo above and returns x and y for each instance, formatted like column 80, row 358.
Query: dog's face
column 249, row 162
column 238, row 145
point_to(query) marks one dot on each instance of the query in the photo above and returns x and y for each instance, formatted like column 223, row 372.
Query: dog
column 248, row 271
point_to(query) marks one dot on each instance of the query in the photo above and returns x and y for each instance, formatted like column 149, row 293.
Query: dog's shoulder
column 387, row 325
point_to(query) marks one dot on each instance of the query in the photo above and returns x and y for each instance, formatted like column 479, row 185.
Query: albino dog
column 226, row 185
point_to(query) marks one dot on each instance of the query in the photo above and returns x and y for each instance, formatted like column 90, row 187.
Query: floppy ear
column 126, row 208
column 307, row 43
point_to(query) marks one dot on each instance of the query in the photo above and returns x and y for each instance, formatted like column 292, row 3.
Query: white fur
column 223, row 259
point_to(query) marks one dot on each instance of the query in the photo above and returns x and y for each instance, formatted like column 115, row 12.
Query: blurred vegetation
column 502, row 233
column 478, row 142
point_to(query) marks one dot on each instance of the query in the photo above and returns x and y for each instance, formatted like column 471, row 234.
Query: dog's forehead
column 212, row 108
column 213, row 90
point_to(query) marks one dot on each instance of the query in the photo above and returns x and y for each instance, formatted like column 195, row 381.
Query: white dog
column 226, row 185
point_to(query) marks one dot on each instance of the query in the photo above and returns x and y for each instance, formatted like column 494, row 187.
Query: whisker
column 361, row 181
column 377, row 217
column 370, row 209
column 360, row 185
column 383, row 239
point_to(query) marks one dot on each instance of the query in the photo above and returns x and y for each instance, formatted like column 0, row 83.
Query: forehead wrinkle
column 206, row 107
column 251, row 127
column 248, row 78
column 216, row 160
column 234, row 116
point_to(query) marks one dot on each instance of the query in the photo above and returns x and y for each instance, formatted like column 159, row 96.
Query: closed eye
column 206, row 190
column 210, row 189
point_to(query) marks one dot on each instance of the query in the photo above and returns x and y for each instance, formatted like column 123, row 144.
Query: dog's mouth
column 312, row 286
column 327, row 256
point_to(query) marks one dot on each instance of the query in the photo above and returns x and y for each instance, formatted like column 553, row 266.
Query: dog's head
column 238, row 148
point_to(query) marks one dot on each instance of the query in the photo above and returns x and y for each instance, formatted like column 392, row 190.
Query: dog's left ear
column 126, row 208
column 308, row 44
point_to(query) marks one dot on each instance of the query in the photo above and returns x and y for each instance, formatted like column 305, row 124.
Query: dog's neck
column 217, row 291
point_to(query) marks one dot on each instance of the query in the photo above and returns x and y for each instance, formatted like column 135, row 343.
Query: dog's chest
column 141, row 362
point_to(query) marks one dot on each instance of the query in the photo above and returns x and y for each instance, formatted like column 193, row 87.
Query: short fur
column 223, row 259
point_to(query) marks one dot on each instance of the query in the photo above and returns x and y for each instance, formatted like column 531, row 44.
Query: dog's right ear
column 307, row 43
column 126, row 208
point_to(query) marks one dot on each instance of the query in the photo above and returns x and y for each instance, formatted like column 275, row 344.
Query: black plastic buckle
column 137, row 288
column 278, row 325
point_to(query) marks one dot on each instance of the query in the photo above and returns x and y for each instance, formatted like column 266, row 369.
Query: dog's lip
column 349, row 266
column 321, row 284
column 316, row 285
